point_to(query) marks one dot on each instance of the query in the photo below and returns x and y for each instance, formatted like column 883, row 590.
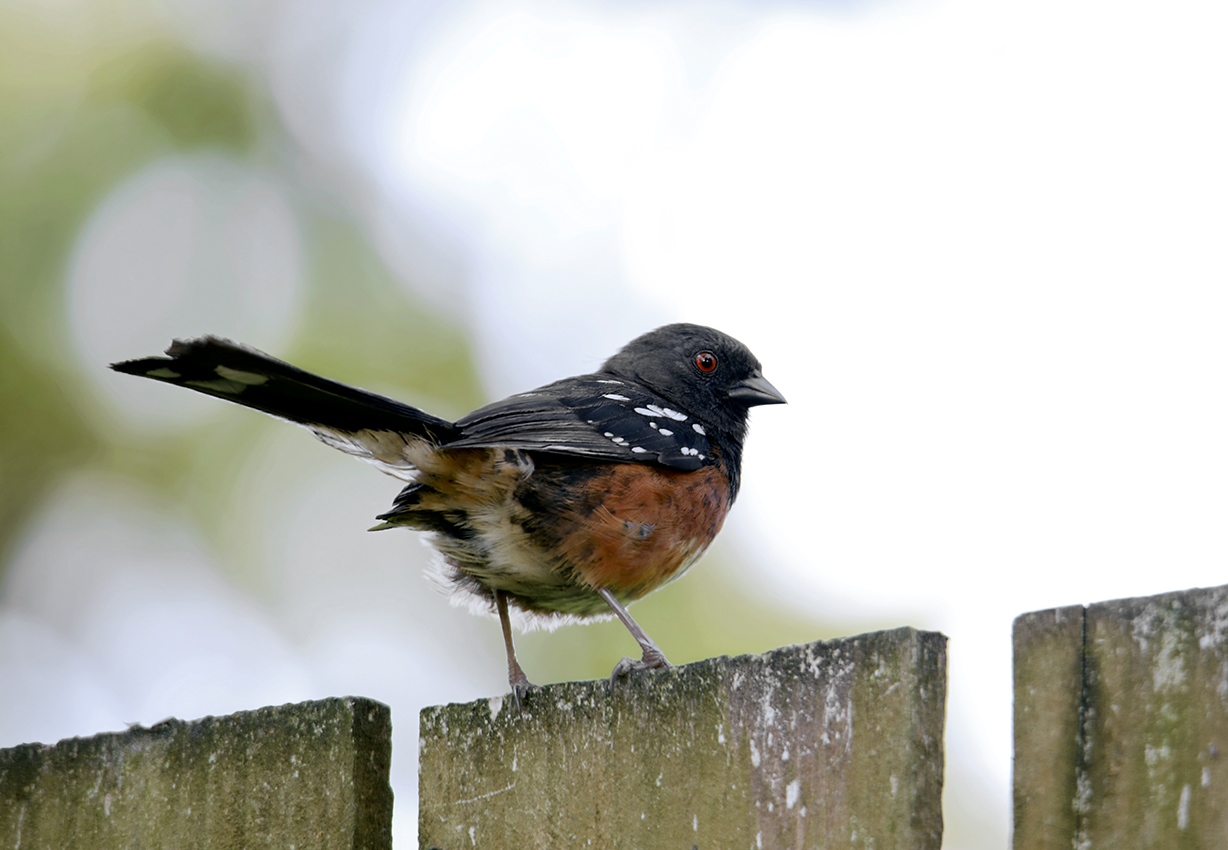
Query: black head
column 704, row 371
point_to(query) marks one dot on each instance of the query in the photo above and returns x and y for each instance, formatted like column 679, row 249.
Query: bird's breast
column 632, row 527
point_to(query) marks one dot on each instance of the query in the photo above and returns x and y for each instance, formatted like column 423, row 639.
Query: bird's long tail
column 361, row 423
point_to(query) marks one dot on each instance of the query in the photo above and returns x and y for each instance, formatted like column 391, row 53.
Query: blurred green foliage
column 77, row 116
column 42, row 437
column 196, row 103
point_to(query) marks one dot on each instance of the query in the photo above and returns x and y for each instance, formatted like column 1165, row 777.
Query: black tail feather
column 245, row 376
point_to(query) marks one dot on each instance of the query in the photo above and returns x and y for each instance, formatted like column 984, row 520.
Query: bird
column 567, row 502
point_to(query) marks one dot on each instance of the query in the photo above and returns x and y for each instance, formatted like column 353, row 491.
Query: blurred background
column 980, row 247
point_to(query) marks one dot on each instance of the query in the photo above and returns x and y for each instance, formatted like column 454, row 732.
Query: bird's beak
column 756, row 390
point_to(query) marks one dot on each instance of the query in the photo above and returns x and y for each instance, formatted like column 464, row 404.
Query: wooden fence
column 1121, row 724
column 1121, row 717
column 312, row 776
column 831, row 744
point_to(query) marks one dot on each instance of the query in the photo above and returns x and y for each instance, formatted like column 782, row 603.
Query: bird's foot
column 654, row 659
column 521, row 686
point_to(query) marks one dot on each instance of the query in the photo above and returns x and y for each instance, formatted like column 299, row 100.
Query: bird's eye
column 705, row 361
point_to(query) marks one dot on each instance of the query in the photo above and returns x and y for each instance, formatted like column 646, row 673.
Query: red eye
column 705, row 361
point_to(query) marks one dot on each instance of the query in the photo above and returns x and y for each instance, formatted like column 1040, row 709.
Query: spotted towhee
column 568, row 501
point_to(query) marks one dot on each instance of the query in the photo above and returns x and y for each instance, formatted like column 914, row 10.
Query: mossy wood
column 1121, row 724
column 832, row 744
column 313, row 776
column 1048, row 693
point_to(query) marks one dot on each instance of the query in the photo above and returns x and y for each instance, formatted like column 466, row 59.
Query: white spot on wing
column 251, row 379
column 603, row 381
column 657, row 410
column 221, row 385
column 665, row 432
column 616, row 397
column 699, row 429
column 638, row 449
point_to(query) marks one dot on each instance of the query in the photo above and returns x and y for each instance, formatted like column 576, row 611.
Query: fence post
column 1129, row 753
column 313, row 776
column 1048, row 698
column 831, row 744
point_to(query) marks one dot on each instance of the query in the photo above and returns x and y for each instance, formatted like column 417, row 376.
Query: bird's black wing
column 591, row 416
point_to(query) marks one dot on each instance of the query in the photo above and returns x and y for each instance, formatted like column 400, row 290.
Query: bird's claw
column 651, row 661
column 521, row 687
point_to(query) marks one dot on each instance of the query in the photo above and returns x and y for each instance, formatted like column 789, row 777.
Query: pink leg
column 653, row 657
column 515, row 675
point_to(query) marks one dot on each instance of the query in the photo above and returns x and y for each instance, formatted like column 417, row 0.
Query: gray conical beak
column 756, row 390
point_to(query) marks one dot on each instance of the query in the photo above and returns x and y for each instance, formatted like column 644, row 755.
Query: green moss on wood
column 829, row 744
column 1048, row 649
column 1158, row 720
column 1120, row 730
column 312, row 775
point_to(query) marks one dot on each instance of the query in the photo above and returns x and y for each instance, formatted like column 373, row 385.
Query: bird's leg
column 653, row 658
column 515, row 675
